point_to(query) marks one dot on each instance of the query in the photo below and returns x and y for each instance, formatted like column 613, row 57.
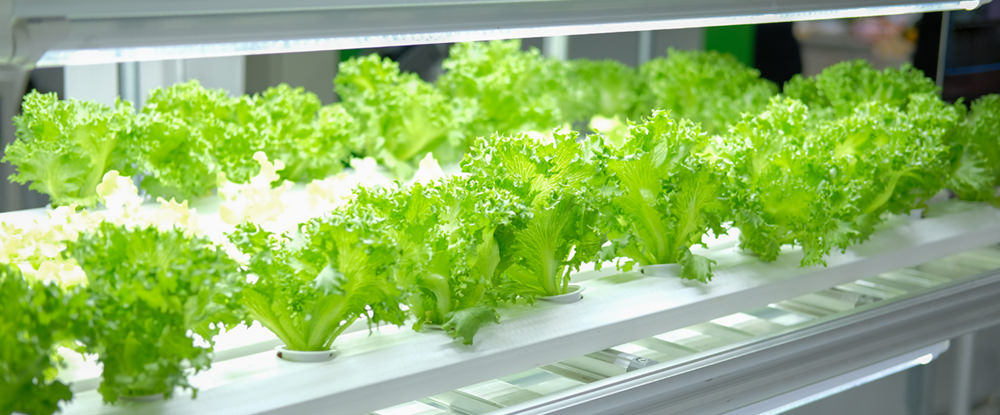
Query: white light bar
column 59, row 57
column 837, row 384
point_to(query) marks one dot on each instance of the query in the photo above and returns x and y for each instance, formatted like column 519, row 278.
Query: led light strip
column 109, row 55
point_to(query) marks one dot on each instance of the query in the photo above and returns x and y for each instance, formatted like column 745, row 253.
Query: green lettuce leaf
column 449, row 259
column 148, row 290
column 708, row 87
column 839, row 88
column 314, row 141
column 554, row 181
column 312, row 285
column 780, row 184
column 976, row 152
column 35, row 319
column 605, row 88
column 401, row 118
column 63, row 148
column 664, row 195
column 506, row 90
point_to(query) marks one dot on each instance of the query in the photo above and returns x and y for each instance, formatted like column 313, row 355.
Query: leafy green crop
column 710, row 88
column 148, row 291
column 401, row 117
column 664, row 195
column 449, row 261
column 312, row 285
column 553, row 180
column 63, row 148
column 839, row 88
column 780, row 181
column 889, row 159
column 180, row 130
column 508, row 90
column 34, row 320
column 313, row 140
column 606, row 88
column 976, row 152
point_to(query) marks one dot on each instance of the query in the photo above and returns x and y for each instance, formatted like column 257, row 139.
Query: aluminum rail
column 743, row 375
column 69, row 31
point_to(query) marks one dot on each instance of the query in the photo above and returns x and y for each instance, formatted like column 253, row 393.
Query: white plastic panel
column 394, row 365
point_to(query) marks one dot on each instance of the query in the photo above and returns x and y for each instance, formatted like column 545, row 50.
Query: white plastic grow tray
column 394, row 365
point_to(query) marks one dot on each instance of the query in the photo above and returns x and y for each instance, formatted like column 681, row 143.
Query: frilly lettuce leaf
column 309, row 286
column 976, row 152
column 35, row 319
column 449, row 260
column 664, row 195
column 400, row 117
column 554, row 180
column 147, row 290
column 707, row 87
column 506, row 90
column 63, row 148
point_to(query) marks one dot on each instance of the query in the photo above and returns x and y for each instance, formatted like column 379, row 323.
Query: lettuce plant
column 780, row 184
column 310, row 286
column 976, row 152
column 449, row 263
column 664, row 195
column 839, row 88
column 35, row 318
column 553, row 180
column 891, row 159
column 401, row 118
column 606, row 88
column 63, row 148
column 312, row 140
column 707, row 87
column 506, row 89
column 179, row 131
column 149, row 293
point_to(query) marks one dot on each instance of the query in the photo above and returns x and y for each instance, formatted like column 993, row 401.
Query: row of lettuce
column 185, row 137
column 819, row 167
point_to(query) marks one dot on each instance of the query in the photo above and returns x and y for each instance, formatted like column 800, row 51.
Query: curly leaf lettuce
column 310, row 286
column 449, row 258
column 34, row 320
column 605, row 88
column 147, row 290
column 780, row 184
column 63, row 148
column 401, row 118
column 179, row 130
column 841, row 87
column 312, row 140
column 506, row 90
column 889, row 159
column 664, row 195
column 708, row 87
column 553, row 180
column 976, row 152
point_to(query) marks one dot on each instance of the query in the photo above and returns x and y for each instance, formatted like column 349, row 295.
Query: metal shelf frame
column 56, row 32
column 735, row 379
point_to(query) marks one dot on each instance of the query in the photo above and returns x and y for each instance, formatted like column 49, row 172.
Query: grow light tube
column 837, row 384
column 58, row 57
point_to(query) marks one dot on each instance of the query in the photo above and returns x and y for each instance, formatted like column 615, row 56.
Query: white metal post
column 645, row 46
column 962, row 381
column 12, row 81
column 556, row 47
column 943, row 47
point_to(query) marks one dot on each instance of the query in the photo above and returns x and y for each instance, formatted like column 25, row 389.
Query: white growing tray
column 394, row 365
